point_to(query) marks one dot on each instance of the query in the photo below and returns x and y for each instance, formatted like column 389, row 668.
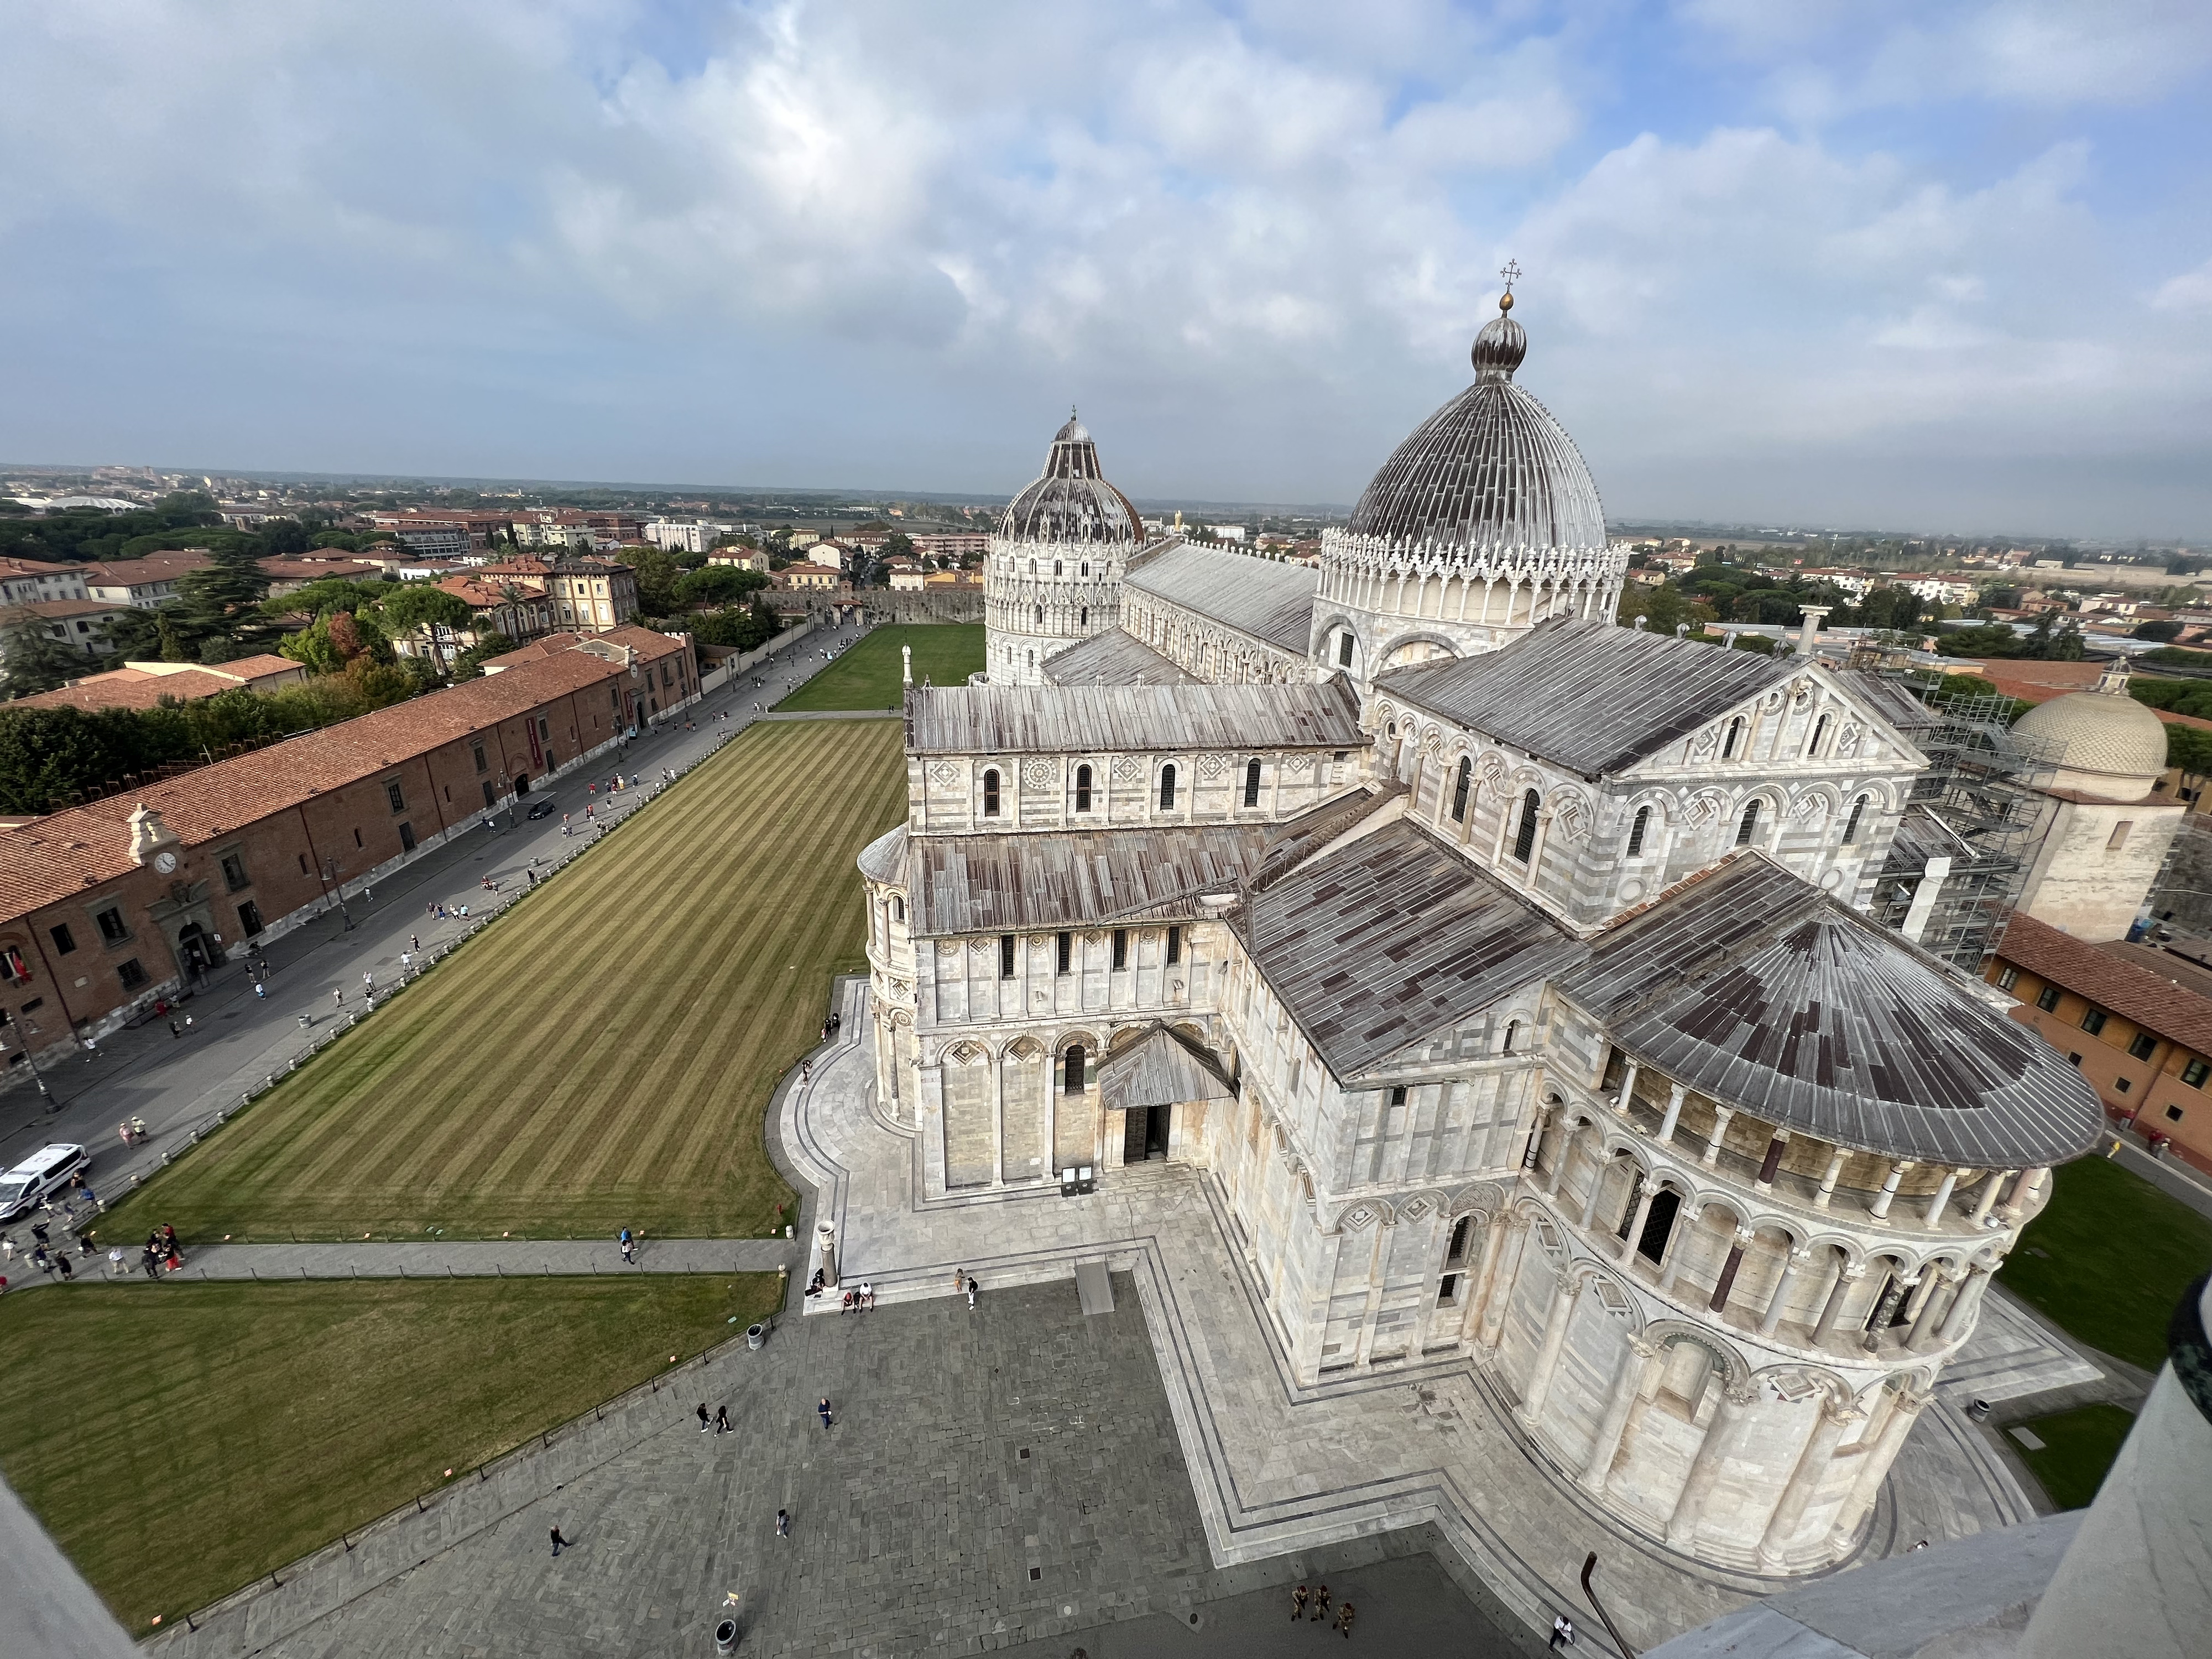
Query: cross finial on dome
column 1510, row 271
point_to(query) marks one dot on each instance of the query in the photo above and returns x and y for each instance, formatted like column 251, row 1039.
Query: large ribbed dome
column 2101, row 742
column 1071, row 501
column 1490, row 472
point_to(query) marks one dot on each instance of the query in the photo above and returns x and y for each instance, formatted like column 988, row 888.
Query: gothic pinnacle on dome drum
column 1481, row 523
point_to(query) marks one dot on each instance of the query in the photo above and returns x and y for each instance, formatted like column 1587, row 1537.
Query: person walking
column 783, row 1523
column 558, row 1541
column 7, row 1248
column 413, row 941
column 61, row 1260
column 971, row 1296
column 721, row 1420
column 823, row 1409
column 1562, row 1632
column 628, row 1246
column 1298, row 1603
column 703, row 1417
column 1344, row 1621
column 174, row 1031
column 337, row 996
column 259, row 989
column 1321, row 1604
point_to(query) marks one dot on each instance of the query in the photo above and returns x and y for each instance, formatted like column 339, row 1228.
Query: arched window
column 1820, row 731
column 898, row 908
column 1083, row 616
column 1735, row 732
column 1512, row 1030
column 1086, row 567
column 1635, row 831
column 1082, row 789
column 1252, row 782
column 1524, row 837
column 1455, row 1252
column 1040, row 615
column 991, row 794
column 1344, row 650
column 1072, row 1072
column 1167, row 787
column 1749, row 824
column 1460, row 787
column 1852, row 823
column 1056, row 567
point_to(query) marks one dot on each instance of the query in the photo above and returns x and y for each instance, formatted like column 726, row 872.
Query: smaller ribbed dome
column 1499, row 348
column 2101, row 742
column 1070, row 500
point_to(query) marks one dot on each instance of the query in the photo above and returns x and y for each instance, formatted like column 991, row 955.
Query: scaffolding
column 1971, row 827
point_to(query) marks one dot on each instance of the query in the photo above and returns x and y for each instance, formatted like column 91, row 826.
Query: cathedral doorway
column 1144, row 1133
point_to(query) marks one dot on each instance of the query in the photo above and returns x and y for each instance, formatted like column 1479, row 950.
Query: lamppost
column 332, row 883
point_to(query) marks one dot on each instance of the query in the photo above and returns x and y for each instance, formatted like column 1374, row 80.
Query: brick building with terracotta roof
column 105, row 906
column 148, row 684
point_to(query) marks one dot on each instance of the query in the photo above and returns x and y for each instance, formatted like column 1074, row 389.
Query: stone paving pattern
column 969, row 1450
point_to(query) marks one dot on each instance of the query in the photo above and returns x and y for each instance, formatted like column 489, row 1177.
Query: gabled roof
column 1592, row 696
column 1114, row 658
column 1161, row 1069
column 1005, row 720
column 1267, row 599
column 2116, row 976
column 1755, row 989
column 1001, row 884
column 1393, row 938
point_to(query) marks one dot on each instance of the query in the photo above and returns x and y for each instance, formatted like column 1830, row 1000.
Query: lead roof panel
column 1004, row 719
column 1267, row 599
column 1009, row 883
column 1116, row 657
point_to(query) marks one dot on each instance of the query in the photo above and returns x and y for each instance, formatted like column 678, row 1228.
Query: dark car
column 541, row 809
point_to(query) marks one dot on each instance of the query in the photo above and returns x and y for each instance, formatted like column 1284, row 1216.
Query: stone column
column 1782, row 1287
column 1721, row 1117
column 1705, row 1470
column 1566, row 1149
column 1828, row 1178
column 825, row 1247
column 1922, row 1288
column 1646, row 1190
column 1904, row 1413
column 2024, row 1191
column 1937, row 1204
column 1596, row 1189
column 1726, row 1282
column 1772, row 1161
column 1641, row 1359
column 1847, row 1275
column 1685, row 1222
column 1500, row 1296
column 1674, row 1093
column 1627, row 1089
column 1535, row 1139
column 1805, row 1480
column 1925, row 1323
column 1565, row 1289
column 998, row 1117
column 1959, row 1319
column 1485, row 1274
column 1889, row 1186
column 1988, row 1200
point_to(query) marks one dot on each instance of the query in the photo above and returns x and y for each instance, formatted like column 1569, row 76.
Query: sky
column 1908, row 266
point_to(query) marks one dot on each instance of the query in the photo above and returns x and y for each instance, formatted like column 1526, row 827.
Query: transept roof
column 1005, row 720
column 1270, row 599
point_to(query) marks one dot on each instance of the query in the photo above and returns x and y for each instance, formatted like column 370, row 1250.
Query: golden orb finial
column 1505, row 300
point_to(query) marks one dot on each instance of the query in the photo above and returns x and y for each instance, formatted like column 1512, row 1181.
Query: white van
column 48, row 1168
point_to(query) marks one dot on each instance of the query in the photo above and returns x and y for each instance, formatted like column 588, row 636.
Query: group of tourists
column 1317, row 1600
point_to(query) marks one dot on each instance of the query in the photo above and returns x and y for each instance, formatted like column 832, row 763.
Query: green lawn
column 2108, row 1259
column 868, row 675
column 181, row 1440
column 600, row 1059
column 2079, row 1446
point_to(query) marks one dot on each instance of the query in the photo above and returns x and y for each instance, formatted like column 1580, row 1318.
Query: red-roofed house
column 105, row 906
column 145, row 684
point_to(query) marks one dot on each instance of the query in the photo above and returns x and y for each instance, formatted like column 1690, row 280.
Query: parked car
column 541, row 809
column 43, row 1172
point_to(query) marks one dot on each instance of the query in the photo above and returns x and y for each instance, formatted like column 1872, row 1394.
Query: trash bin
column 725, row 1636
column 1978, row 1410
column 755, row 1335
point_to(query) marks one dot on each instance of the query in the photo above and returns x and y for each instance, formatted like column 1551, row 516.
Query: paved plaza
column 1009, row 1479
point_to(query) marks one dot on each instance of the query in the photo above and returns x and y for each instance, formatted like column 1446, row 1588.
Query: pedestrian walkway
column 239, row 1042
column 1278, row 1467
column 467, row 1259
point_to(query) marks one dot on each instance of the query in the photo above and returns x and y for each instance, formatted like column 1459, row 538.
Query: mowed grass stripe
column 603, row 1057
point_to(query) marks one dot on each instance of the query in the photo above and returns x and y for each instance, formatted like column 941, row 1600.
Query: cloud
column 874, row 244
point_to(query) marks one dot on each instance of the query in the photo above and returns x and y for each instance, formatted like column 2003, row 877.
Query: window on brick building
column 130, row 973
column 393, row 793
column 2047, row 998
column 303, row 863
column 12, row 966
column 357, row 838
column 2093, row 1022
column 112, row 928
column 2196, row 1071
column 482, row 763
column 249, row 918
column 406, row 837
column 2008, row 976
column 2173, row 1114
column 233, row 871
column 2142, row 1046
column 64, row 941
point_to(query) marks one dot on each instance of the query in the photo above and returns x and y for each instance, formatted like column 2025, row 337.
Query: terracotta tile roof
column 649, row 646
column 154, row 568
column 2034, row 681
column 134, row 686
column 2157, row 1002
column 13, row 566
column 45, row 859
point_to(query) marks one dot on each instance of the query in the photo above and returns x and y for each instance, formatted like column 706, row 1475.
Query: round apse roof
column 1071, row 501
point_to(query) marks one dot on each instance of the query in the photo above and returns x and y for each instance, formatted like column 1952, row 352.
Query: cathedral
column 1507, row 974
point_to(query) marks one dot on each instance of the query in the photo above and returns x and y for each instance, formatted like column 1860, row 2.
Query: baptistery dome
column 1070, row 500
column 1491, row 471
